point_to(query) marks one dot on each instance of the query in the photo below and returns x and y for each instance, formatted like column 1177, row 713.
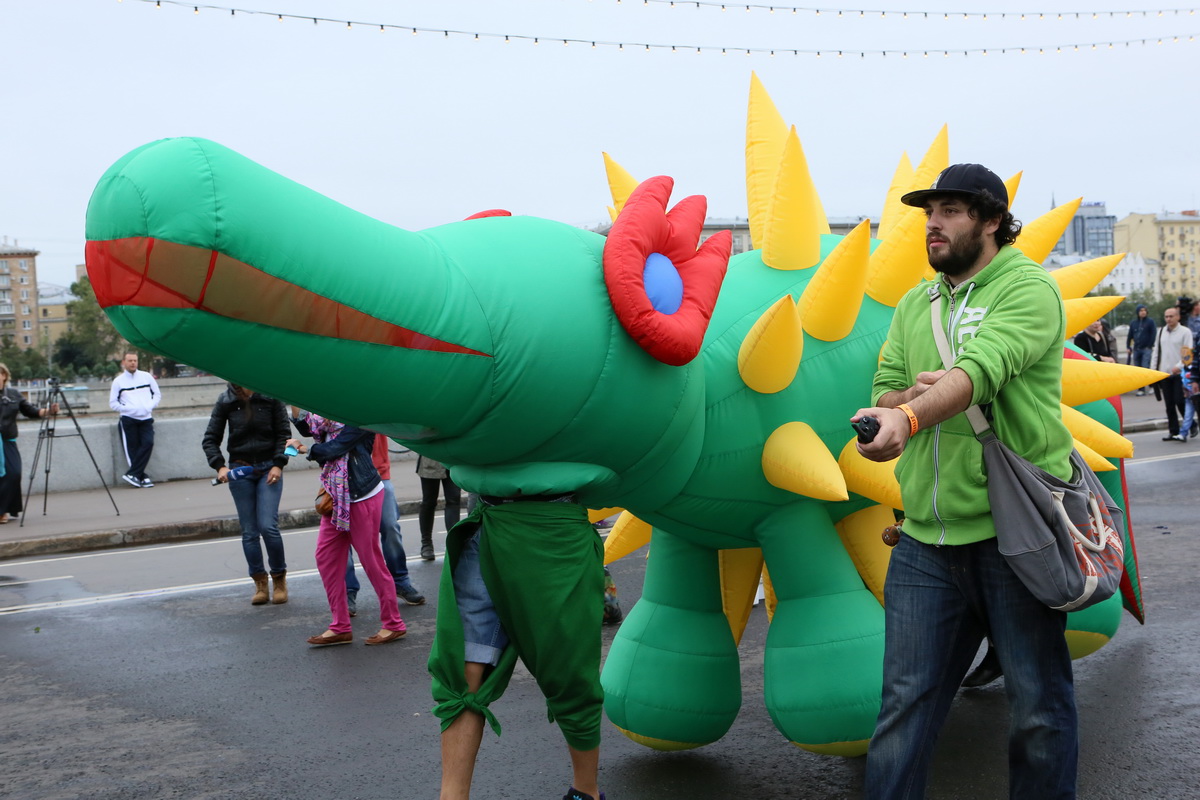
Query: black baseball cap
column 965, row 179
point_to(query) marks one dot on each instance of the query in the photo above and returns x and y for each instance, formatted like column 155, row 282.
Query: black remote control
column 866, row 428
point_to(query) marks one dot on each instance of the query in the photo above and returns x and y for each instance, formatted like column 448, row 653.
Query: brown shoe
column 279, row 587
column 260, row 589
column 390, row 636
column 320, row 640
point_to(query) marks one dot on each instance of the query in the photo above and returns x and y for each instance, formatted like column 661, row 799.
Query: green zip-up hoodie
column 1005, row 326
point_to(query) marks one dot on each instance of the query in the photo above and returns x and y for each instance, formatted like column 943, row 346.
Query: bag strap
column 974, row 414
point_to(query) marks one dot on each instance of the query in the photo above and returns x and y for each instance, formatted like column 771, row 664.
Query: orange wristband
column 912, row 418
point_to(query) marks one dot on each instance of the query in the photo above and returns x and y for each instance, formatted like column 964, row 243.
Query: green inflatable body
column 492, row 345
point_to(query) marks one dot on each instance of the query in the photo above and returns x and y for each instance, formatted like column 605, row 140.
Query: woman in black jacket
column 12, row 402
column 258, row 433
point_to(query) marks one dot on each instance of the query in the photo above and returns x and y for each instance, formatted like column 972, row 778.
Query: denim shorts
column 484, row 637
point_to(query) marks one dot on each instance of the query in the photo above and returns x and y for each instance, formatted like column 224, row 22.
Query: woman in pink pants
column 356, row 499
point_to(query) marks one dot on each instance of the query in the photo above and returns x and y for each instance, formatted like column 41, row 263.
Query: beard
column 961, row 254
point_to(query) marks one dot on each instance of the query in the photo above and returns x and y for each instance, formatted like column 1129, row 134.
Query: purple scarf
column 335, row 474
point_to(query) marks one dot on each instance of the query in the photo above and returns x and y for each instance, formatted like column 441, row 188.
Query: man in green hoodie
column 948, row 586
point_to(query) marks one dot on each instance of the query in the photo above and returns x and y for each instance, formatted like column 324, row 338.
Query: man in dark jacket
column 1140, row 341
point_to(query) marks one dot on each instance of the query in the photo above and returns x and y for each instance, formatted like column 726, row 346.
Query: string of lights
column 918, row 52
column 912, row 13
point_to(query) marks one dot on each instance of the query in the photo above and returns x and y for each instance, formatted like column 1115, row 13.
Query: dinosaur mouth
column 155, row 273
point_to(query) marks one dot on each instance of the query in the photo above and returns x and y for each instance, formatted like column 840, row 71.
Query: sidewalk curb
column 213, row 528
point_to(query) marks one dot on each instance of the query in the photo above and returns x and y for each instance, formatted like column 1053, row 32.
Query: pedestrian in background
column 258, row 433
column 1140, row 341
column 1172, row 354
column 355, row 492
column 433, row 474
column 13, row 402
column 134, row 396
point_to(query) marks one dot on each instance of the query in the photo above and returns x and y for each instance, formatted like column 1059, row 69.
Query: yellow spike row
column 795, row 459
column 829, row 306
column 862, row 536
column 627, row 535
column 902, row 181
column 620, row 184
column 770, row 354
column 899, row 261
column 1077, row 280
column 936, row 159
column 1096, row 435
column 766, row 133
column 1083, row 311
column 1097, row 462
column 872, row 479
column 795, row 219
column 597, row 514
column 1038, row 238
column 741, row 570
column 1012, row 184
column 1085, row 381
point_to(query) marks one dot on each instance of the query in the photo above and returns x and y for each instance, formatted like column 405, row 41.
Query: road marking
column 36, row 580
column 164, row 592
column 1155, row 459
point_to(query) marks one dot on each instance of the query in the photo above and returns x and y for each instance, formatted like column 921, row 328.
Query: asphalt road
column 145, row 673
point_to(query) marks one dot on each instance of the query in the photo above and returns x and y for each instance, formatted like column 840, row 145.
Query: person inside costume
column 508, row 562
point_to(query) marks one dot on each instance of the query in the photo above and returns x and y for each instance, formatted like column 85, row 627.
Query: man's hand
column 925, row 382
column 223, row 474
column 273, row 475
column 893, row 435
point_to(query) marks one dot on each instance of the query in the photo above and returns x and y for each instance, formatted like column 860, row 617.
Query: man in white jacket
column 134, row 396
column 1172, row 353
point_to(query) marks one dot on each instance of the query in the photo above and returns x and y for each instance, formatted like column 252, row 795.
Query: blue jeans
column 939, row 603
column 484, row 638
column 389, row 541
column 1141, row 357
column 257, row 505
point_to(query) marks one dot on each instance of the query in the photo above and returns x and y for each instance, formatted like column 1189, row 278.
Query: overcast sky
column 426, row 129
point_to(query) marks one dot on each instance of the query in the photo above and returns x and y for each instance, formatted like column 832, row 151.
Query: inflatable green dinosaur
column 535, row 357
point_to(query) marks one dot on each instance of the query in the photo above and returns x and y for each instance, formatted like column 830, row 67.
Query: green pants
column 542, row 564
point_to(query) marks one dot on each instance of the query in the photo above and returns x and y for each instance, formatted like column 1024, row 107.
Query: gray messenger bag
column 1061, row 538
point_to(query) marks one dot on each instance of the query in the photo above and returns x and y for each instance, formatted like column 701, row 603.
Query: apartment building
column 18, row 294
column 1172, row 239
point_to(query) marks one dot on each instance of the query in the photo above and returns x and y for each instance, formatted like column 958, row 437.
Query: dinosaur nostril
column 664, row 286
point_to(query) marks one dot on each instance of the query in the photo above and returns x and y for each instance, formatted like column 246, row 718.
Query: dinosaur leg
column 671, row 680
column 823, row 669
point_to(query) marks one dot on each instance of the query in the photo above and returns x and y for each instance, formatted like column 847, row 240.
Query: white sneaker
column 132, row 481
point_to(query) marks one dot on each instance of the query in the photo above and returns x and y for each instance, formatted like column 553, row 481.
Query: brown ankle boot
column 260, row 589
column 279, row 581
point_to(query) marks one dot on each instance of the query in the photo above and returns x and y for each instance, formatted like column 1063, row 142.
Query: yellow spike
column 770, row 354
column 741, row 570
column 902, row 182
column 597, row 514
column 899, row 261
column 620, row 184
column 1083, row 311
column 873, row 480
column 862, row 536
column 766, row 133
column 1038, row 238
column 1096, row 435
column 794, row 458
column 1012, row 184
column 627, row 535
column 1097, row 462
column 795, row 219
column 770, row 600
column 1085, row 381
column 831, row 301
column 936, row 159
column 612, row 214
column 1077, row 280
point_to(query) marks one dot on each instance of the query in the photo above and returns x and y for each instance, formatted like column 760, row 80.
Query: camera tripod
column 46, row 436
